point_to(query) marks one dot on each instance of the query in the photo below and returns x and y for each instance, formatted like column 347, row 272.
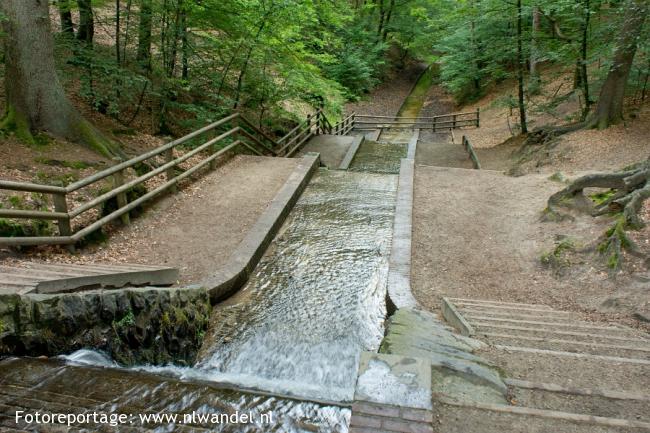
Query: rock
column 128, row 324
column 456, row 371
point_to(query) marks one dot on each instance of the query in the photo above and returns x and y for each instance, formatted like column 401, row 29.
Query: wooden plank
column 595, row 392
column 553, row 414
column 535, row 322
column 613, row 359
column 452, row 316
column 574, row 334
column 573, row 342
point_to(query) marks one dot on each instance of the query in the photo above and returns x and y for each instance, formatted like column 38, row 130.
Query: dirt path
column 387, row 98
column 197, row 229
column 477, row 234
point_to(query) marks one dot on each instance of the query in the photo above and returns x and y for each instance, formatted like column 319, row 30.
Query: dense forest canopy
column 186, row 62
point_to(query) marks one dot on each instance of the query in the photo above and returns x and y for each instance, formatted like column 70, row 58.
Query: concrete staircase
column 565, row 373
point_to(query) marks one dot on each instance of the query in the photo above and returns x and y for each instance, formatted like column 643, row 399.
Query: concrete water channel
column 287, row 344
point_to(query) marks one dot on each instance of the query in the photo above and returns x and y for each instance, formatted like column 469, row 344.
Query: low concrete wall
column 399, row 266
column 225, row 281
column 352, row 151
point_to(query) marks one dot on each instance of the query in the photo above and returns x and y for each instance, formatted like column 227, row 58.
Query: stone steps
column 568, row 374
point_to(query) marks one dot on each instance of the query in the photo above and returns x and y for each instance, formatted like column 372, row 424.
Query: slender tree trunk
column 117, row 33
column 382, row 15
column 86, row 30
column 584, row 51
column 185, row 48
column 609, row 110
column 36, row 100
column 389, row 15
column 67, row 25
column 144, row 34
column 534, row 80
column 520, row 69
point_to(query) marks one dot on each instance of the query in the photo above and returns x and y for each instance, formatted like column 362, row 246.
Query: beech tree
column 610, row 103
column 36, row 100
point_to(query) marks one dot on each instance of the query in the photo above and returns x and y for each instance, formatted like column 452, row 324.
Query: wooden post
column 434, row 123
column 454, row 124
column 61, row 205
column 169, row 157
column 478, row 117
column 122, row 200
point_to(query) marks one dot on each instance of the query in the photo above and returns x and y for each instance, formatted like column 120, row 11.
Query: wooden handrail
column 472, row 154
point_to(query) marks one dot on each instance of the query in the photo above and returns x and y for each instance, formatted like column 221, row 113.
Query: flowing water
column 317, row 298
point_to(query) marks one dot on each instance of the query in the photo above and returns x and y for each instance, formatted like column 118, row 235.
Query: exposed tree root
column 628, row 190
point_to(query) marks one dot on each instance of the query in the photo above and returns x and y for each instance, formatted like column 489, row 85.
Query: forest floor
column 195, row 230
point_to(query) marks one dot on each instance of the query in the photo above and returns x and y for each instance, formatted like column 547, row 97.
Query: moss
column 97, row 141
column 18, row 125
column 77, row 165
column 601, row 197
column 8, row 228
column 16, row 202
column 558, row 177
column 556, row 258
column 127, row 321
column 2, row 326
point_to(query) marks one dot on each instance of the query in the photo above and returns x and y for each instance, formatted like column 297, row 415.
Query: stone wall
column 134, row 326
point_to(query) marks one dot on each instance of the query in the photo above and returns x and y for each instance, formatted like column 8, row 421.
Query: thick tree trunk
column 144, row 34
column 609, row 110
column 86, row 30
column 67, row 26
column 36, row 100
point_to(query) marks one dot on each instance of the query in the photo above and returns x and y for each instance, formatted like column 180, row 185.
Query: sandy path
column 477, row 234
column 196, row 229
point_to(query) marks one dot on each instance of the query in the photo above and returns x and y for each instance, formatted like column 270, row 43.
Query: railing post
column 122, row 200
column 434, row 123
column 61, row 205
column 454, row 122
column 169, row 173
column 478, row 117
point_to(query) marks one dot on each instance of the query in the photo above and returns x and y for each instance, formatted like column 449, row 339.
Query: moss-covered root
column 616, row 241
column 18, row 125
column 90, row 136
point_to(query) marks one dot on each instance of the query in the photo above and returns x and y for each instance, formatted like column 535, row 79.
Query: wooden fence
column 445, row 122
column 472, row 155
column 218, row 138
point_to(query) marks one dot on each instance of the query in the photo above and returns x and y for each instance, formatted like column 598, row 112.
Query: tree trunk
column 534, row 80
column 86, row 30
column 389, row 15
column 36, row 100
column 609, row 110
column 520, row 69
column 67, row 26
column 584, row 76
column 144, row 34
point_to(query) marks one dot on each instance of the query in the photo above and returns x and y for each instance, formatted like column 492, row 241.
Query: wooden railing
column 472, row 155
column 218, row 138
column 445, row 122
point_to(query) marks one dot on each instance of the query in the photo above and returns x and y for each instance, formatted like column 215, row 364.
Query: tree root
column 629, row 189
